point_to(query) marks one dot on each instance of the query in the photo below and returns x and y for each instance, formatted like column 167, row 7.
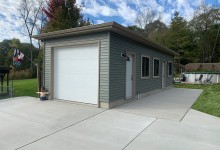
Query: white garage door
column 76, row 73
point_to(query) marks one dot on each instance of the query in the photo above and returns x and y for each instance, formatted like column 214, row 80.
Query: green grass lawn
column 26, row 87
column 209, row 101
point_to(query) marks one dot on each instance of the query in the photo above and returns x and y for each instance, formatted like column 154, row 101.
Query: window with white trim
column 156, row 67
column 170, row 68
column 145, row 67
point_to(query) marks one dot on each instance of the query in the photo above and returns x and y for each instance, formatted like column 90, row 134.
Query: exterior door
column 129, row 76
column 164, row 74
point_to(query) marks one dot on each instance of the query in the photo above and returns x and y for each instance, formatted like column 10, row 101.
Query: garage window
column 145, row 67
column 170, row 69
column 156, row 67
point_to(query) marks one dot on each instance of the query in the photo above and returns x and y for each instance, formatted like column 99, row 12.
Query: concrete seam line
column 134, row 113
column 144, row 115
column 139, row 134
column 184, row 115
column 59, row 130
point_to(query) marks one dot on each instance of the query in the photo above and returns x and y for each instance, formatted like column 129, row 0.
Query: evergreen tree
column 180, row 39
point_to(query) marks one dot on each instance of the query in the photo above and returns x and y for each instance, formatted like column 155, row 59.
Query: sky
column 124, row 12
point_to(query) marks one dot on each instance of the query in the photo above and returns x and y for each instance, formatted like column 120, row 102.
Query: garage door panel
column 79, row 53
column 78, row 67
column 79, row 77
column 76, row 73
column 79, row 96
column 77, row 80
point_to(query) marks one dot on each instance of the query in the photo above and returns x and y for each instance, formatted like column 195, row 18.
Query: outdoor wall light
column 125, row 56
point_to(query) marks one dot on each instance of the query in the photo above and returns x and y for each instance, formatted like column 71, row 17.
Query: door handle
column 131, row 77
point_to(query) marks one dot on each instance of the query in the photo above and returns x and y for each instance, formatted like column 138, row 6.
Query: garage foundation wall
column 116, row 103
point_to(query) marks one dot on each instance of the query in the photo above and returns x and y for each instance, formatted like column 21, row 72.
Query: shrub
column 20, row 74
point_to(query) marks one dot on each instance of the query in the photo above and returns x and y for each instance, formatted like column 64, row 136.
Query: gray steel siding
column 120, row 44
column 47, row 56
column 103, row 39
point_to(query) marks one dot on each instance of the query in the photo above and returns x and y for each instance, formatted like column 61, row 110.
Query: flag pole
column 38, row 85
column 36, row 64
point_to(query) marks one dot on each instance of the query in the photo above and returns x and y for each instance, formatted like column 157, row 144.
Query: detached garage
column 104, row 65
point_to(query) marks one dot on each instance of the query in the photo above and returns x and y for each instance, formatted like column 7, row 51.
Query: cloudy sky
column 99, row 11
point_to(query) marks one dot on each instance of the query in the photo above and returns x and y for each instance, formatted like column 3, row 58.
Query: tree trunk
column 31, row 53
column 216, row 41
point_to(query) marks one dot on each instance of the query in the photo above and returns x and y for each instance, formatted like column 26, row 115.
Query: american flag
column 18, row 57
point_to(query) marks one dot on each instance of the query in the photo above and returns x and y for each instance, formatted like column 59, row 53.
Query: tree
column 149, row 24
column 177, row 32
column 196, row 41
column 156, row 31
column 179, row 38
column 205, row 25
column 4, row 49
column 137, row 29
column 145, row 17
column 29, row 11
column 7, row 51
column 63, row 14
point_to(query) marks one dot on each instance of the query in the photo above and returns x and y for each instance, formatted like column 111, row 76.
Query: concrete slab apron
column 26, row 119
column 199, row 134
column 169, row 104
column 110, row 130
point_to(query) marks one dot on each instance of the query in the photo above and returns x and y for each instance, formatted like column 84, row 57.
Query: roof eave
column 74, row 31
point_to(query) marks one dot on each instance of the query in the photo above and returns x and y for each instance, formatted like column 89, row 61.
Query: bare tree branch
column 29, row 11
column 145, row 17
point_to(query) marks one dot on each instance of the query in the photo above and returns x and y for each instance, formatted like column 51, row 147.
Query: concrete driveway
column 29, row 124
column 171, row 104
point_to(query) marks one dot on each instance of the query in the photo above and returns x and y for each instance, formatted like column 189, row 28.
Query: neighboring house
column 202, row 67
column 105, row 65
column 209, row 71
